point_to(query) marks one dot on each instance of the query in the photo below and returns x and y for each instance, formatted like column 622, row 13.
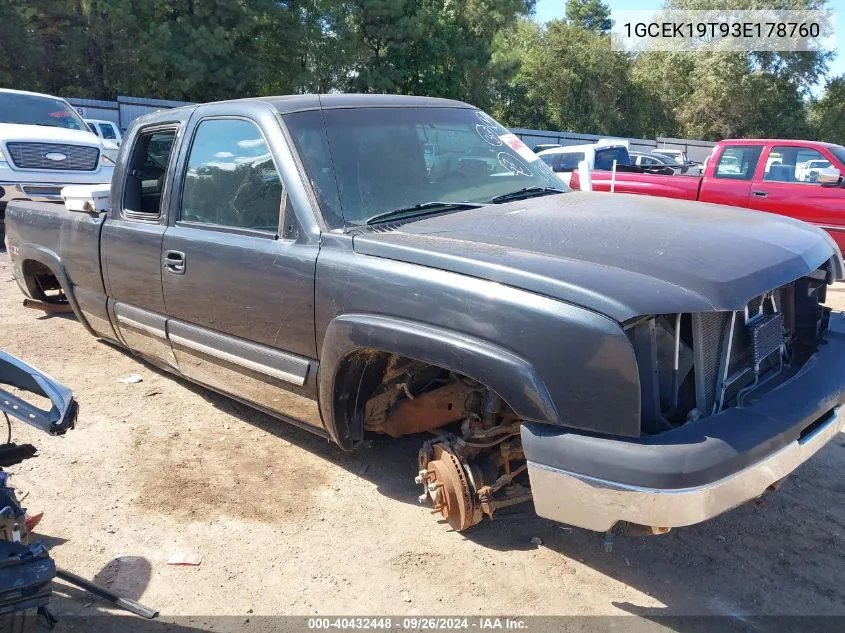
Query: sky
column 551, row 9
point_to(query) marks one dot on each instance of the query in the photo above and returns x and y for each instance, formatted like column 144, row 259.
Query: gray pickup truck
column 368, row 264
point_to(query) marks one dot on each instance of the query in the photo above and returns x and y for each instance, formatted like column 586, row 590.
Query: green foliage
column 563, row 75
column 727, row 95
column 593, row 15
column 827, row 113
column 566, row 77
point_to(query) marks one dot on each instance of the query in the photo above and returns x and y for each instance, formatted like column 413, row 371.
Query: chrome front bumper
column 595, row 504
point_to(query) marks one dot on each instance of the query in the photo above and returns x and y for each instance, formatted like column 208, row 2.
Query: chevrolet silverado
column 370, row 264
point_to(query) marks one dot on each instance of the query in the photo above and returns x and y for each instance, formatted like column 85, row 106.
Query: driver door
column 239, row 293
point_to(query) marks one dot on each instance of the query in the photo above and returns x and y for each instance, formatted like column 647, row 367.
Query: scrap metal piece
column 106, row 594
column 48, row 308
column 62, row 414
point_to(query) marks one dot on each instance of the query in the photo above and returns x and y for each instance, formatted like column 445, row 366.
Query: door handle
column 760, row 194
column 174, row 262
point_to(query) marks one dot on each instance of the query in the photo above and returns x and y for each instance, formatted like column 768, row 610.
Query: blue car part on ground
column 26, row 569
column 62, row 414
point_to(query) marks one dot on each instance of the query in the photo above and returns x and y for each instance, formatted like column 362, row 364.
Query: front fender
column 510, row 376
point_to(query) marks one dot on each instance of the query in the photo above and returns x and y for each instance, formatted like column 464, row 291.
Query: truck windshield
column 839, row 152
column 26, row 109
column 367, row 162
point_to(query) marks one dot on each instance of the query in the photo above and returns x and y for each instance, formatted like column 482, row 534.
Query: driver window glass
column 107, row 131
column 147, row 172
column 231, row 179
column 794, row 164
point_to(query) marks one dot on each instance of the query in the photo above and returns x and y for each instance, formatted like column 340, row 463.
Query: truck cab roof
column 285, row 104
column 778, row 141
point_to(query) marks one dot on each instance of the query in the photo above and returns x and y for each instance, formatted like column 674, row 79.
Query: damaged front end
column 732, row 402
column 692, row 366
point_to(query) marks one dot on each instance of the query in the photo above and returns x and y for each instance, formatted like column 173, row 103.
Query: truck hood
column 621, row 255
column 44, row 134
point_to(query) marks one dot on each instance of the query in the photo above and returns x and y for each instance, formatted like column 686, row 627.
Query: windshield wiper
column 527, row 192
column 424, row 208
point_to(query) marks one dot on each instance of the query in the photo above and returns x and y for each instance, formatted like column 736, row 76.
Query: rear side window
column 107, row 131
column 569, row 161
column 549, row 159
column 738, row 162
column 231, row 179
column 147, row 172
column 605, row 157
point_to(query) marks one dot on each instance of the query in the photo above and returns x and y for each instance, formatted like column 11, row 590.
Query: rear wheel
column 42, row 284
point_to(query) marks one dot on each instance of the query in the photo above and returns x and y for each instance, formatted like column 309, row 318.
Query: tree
column 515, row 99
column 827, row 113
column 430, row 47
column 593, row 15
column 729, row 94
column 566, row 77
column 802, row 68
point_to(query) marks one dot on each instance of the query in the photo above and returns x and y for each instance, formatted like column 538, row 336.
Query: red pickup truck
column 800, row 179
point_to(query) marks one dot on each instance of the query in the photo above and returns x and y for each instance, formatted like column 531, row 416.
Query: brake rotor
column 449, row 489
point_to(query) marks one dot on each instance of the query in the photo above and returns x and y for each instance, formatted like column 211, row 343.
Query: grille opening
column 26, row 155
column 692, row 366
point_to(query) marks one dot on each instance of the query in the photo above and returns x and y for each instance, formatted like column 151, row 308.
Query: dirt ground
column 288, row 524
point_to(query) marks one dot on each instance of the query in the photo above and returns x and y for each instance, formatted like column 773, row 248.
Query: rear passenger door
column 238, row 279
column 731, row 181
column 132, row 236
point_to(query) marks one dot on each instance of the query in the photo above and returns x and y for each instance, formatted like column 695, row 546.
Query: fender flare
column 509, row 375
column 52, row 261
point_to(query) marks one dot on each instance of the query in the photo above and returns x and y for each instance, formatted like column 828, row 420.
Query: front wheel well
column 473, row 464
column 378, row 392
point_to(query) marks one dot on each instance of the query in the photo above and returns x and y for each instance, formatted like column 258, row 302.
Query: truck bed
column 47, row 235
column 677, row 186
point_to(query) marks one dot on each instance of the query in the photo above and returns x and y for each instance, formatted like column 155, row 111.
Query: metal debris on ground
column 48, row 308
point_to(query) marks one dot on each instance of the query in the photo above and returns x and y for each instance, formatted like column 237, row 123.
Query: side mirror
column 829, row 176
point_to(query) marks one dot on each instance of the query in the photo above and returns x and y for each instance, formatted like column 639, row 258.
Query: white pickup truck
column 45, row 145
